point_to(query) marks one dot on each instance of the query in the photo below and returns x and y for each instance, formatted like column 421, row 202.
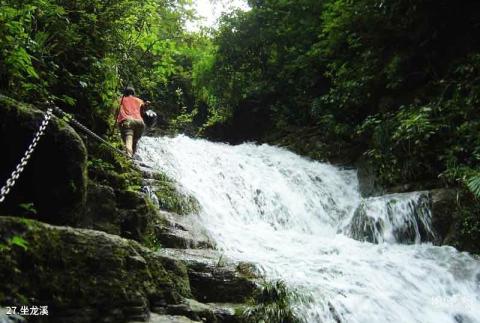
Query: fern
column 473, row 184
column 18, row 241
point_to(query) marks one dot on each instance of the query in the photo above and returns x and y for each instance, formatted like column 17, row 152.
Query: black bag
column 150, row 118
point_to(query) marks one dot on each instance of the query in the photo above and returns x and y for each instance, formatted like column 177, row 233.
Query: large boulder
column 126, row 213
column 53, row 186
column 84, row 274
column 444, row 213
column 368, row 183
column 181, row 232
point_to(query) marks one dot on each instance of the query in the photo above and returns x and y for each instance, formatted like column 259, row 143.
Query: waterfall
column 305, row 222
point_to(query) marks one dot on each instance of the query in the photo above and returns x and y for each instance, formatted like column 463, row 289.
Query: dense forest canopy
column 393, row 81
column 398, row 78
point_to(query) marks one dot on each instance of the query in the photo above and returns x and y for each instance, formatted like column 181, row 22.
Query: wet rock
column 129, row 199
column 53, row 184
column 101, row 211
column 213, row 278
column 156, row 318
column 397, row 218
column 68, row 268
column 444, row 205
column 192, row 309
column 212, row 312
column 168, row 194
column 7, row 317
column 126, row 213
column 365, row 228
column 412, row 187
column 368, row 183
column 137, row 223
column 228, row 312
column 181, row 232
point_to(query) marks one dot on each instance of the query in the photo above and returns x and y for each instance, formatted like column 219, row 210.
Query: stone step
column 177, row 238
column 228, row 312
column 182, row 232
column 213, row 277
column 158, row 318
column 211, row 312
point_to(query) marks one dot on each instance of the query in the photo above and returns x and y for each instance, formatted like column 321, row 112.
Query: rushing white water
column 289, row 216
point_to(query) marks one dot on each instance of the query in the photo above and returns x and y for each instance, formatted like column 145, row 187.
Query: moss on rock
column 108, row 167
column 171, row 199
column 77, row 268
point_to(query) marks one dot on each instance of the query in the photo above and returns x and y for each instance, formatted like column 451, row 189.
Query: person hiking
column 130, row 119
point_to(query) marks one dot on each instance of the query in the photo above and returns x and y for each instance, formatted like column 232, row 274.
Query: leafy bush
column 79, row 54
column 396, row 79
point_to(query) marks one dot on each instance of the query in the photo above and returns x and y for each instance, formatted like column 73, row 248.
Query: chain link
column 24, row 161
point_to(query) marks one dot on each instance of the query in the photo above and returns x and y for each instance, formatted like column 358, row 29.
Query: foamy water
column 291, row 217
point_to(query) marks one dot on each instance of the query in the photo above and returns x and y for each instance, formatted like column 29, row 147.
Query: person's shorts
column 133, row 127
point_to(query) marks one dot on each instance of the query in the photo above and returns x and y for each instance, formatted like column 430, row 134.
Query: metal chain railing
column 23, row 162
column 67, row 117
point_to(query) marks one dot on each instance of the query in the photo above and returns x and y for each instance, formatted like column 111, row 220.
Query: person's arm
column 144, row 106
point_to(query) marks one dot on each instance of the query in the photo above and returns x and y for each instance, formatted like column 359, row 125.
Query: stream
column 304, row 222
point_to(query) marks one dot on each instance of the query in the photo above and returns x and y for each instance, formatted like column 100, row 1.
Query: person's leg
column 138, row 131
column 134, row 145
column 127, row 136
column 129, row 144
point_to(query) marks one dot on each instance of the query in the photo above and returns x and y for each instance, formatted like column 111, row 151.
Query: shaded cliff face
column 54, row 182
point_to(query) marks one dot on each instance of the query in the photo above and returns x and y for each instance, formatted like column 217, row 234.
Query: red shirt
column 130, row 108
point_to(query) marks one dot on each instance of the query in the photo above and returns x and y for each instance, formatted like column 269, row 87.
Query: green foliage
column 184, row 120
column 466, row 233
column 29, row 208
column 395, row 79
column 15, row 240
column 80, row 53
column 414, row 104
column 473, row 184
column 19, row 242
column 274, row 303
column 261, row 65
